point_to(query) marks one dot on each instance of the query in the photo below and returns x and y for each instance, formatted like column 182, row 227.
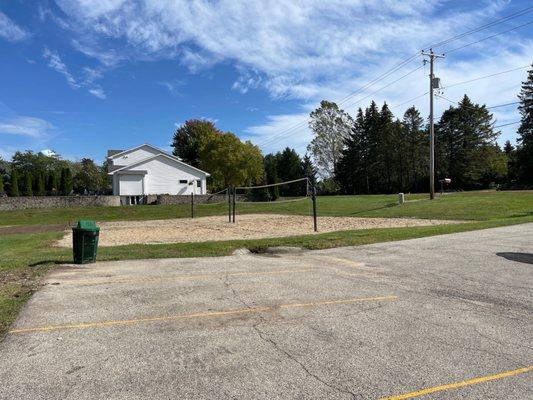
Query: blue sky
column 80, row 77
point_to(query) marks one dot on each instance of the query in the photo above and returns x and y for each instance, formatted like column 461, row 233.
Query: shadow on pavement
column 519, row 257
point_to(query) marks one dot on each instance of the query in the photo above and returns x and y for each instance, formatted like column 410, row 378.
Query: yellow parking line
column 184, row 277
column 456, row 385
column 195, row 315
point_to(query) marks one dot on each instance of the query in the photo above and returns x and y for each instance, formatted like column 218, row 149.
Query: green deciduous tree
column 231, row 162
column 88, row 178
column 190, row 139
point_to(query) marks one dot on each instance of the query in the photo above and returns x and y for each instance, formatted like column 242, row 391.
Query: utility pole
column 433, row 84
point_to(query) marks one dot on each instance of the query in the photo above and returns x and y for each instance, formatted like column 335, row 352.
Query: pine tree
column 39, row 184
column 1, row 184
column 52, row 184
column 466, row 150
column 289, row 167
column 14, row 183
column 417, row 148
column 65, row 183
column 271, row 176
column 525, row 132
column 309, row 170
column 350, row 167
column 27, row 184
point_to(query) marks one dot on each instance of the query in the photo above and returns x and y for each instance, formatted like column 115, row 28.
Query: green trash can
column 85, row 242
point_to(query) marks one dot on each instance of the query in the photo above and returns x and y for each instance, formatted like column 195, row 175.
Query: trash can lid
column 87, row 225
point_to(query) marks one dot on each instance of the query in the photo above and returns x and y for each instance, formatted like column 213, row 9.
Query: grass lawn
column 25, row 257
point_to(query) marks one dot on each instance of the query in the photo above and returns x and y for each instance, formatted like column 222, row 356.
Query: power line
column 488, row 37
column 485, row 76
column 510, row 123
column 401, row 64
column 481, row 27
column 386, row 74
column 274, row 138
column 488, row 108
column 407, row 101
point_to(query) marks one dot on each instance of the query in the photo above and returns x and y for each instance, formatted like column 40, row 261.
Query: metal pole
column 432, row 57
column 234, row 196
column 229, row 203
column 431, row 131
column 313, row 197
column 192, row 205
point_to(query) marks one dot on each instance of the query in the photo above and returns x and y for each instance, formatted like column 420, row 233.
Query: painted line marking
column 198, row 315
column 460, row 384
column 183, row 277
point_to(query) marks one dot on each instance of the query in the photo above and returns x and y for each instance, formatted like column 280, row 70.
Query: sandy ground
column 251, row 226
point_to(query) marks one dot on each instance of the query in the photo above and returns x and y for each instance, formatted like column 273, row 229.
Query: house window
column 199, row 183
column 183, row 181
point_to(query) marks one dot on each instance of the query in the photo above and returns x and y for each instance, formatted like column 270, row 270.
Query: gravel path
column 250, row 226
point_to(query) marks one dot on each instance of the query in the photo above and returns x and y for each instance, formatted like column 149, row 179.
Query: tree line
column 39, row 174
column 377, row 153
column 232, row 162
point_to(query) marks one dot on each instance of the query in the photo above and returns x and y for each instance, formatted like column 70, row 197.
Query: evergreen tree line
column 376, row 153
column 37, row 174
column 386, row 155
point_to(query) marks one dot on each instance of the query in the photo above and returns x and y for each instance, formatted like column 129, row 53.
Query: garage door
column 131, row 185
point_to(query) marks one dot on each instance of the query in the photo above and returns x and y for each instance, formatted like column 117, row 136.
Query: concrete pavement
column 423, row 317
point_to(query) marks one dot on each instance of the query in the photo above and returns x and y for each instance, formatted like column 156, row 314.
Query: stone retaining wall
column 168, row 199
column 22, row 203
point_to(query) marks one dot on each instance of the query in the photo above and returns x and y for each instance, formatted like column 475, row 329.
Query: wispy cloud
column 304, row 50
column 55, row 62
column 32, row 127
column 89, row 74
column 172, row 86
column 11, row 31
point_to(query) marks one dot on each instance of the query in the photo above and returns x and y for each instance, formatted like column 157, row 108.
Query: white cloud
column 172, row 86
column 89, row 74
column 307, row 50
column 98, row 92
column 11, row 31
column 32, row 127
column 48, row 152
column 55, row 62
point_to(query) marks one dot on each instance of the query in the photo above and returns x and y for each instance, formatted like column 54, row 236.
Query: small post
column 313, row 197
column 192, row 204
column 234, row 201
column 228, row 192
column 401, row 198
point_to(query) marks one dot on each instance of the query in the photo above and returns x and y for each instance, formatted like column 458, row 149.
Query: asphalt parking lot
column 447, row 317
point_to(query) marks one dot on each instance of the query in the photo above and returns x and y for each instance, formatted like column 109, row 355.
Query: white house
column 147, row 170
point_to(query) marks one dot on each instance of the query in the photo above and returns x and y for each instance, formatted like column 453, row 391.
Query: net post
column 228, row 192
column 234, row 201
column 192, row 204
column 313, row 198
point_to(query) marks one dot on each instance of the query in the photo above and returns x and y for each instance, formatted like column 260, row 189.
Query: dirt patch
column 251, row 226
column 10, row 230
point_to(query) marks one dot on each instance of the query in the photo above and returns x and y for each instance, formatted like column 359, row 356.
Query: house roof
column 116, row 153
column 175, row 159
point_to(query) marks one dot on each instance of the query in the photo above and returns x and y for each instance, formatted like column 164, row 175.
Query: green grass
column 465, row 206
column 25, row 257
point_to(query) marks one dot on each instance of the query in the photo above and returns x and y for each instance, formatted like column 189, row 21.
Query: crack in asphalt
column 280, row 350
